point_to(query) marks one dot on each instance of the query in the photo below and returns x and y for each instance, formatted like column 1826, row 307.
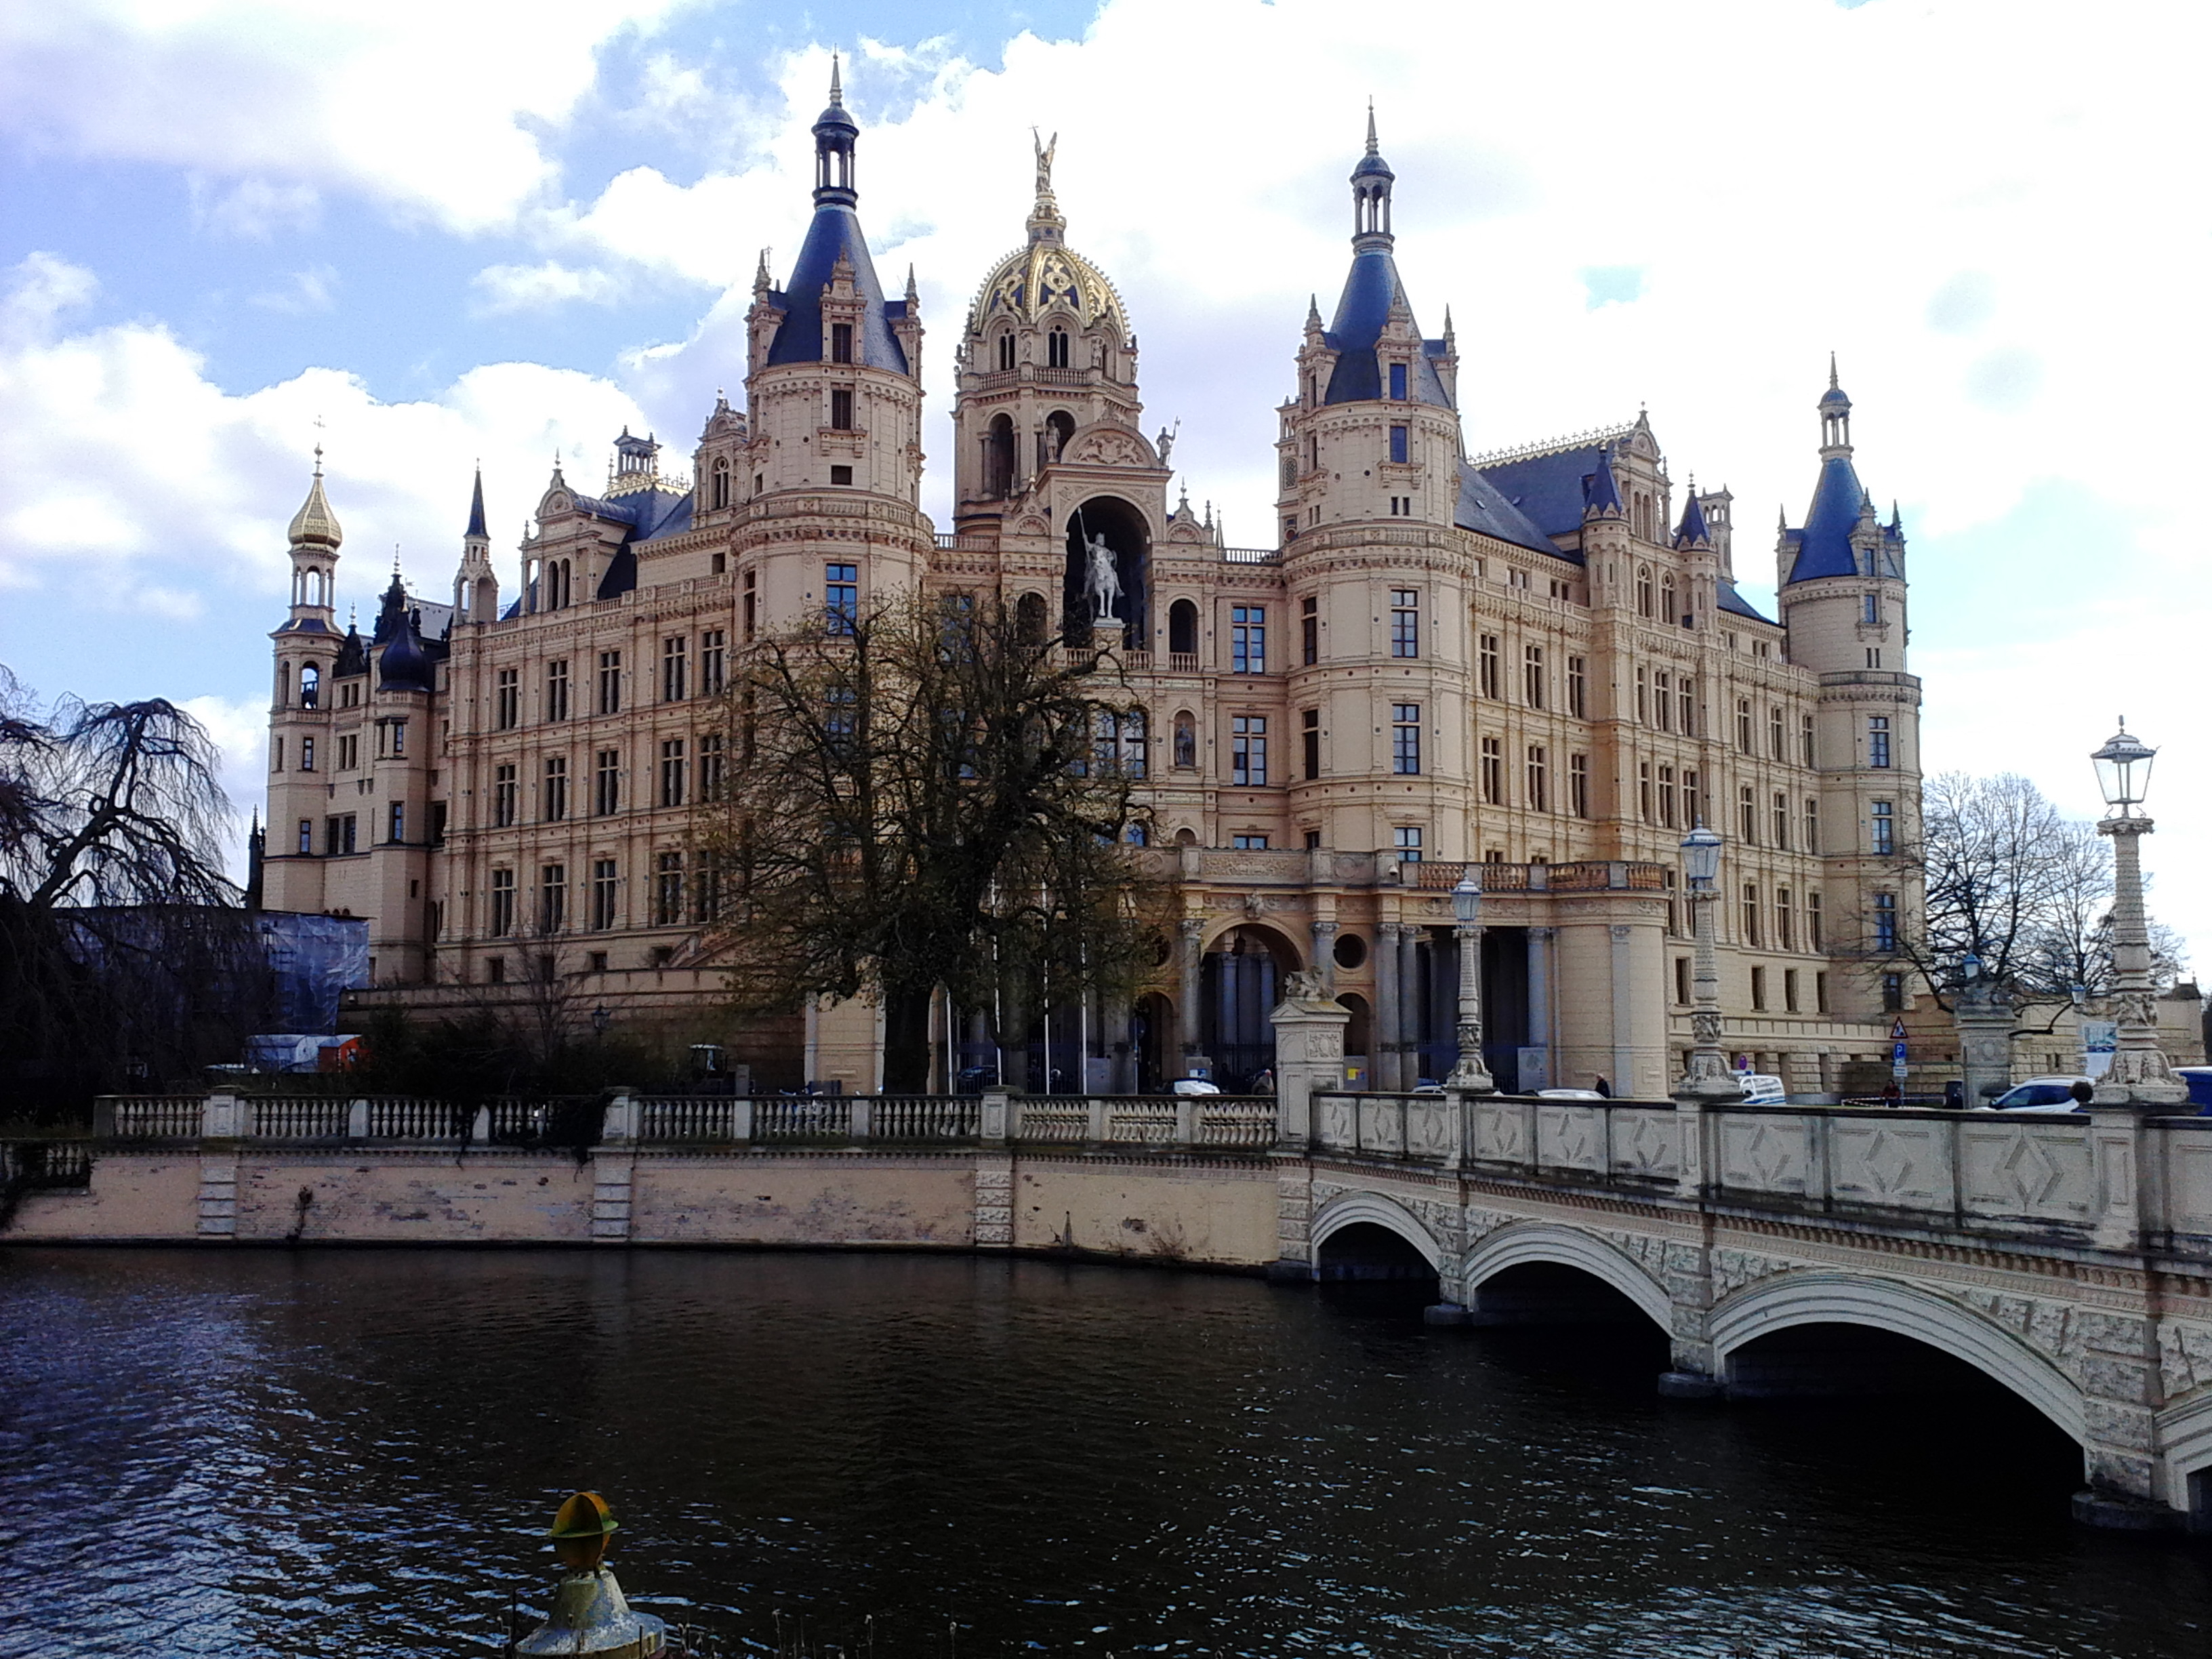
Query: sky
column 427, row 236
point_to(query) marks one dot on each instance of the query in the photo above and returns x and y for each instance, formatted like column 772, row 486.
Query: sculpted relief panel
column 1764, row 1154
column 1906, row 1164
column 2034, row 1169
column 1646, row 1143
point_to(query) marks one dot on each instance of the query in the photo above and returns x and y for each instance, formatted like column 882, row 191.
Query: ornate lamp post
column 2140, row 1075
column 1470, row 1074
column 1707, row 1077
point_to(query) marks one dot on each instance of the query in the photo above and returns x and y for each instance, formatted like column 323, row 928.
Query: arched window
column 1059, row 427
column 1642, row 590
column 284, row 684
column 721, row 497
column 1056, row 349
column 1186, row 741
column 1182, row 629
column 999, row 457
column 1029, row 613
column 1006, row 349
column 311, row 684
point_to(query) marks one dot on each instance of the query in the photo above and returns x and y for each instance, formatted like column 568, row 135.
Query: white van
column 1761, row 1088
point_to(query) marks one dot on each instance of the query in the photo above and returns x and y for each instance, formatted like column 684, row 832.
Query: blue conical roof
column 476, row 510
column 1694, row 530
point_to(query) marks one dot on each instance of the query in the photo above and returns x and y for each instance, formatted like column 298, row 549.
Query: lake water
column 354, row 1453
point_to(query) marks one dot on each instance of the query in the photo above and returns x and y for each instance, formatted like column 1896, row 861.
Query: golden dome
column 1045, row 275
column 314, row 521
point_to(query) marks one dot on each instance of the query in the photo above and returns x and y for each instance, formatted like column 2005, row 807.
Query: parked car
column 1762, row 1088
column 1569, row 1094
column 1193, row 1085
column 2039, row 1094
column 2199, row 1079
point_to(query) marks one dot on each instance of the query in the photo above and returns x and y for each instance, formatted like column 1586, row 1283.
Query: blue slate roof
column 1554, row 491
column 1600, row 491
column 405, row 665
column 1736, row 604
column 1361, row 312
column 835, row 229
column 1692, row 529
column 476, row 509
column 1823, row 547
column 1483, row 508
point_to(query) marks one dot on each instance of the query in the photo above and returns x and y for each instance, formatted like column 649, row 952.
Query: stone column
column 1324, row 952
column 2140, row 1075
column 1984, row 1015
column 1193, row 936
column 1409, row 999
column 1540, row 1007
column 1384, row 1062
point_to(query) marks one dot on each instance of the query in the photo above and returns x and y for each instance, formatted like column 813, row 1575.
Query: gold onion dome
column 1045, row 275
column 314, row 521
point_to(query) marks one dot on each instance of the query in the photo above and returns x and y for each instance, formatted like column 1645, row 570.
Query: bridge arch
column 1373, row 1209
column 2184, row 1434
column 1527, row 1243
column 1817, row 1298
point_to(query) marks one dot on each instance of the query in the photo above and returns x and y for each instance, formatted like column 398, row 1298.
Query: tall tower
column 300, row 755
column 1842, row 585
column 475, row 585
column 834, row 391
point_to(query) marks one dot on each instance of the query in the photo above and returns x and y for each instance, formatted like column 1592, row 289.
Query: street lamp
column 1470, row 1074
column 2140, row 1074
column 1707, row 1077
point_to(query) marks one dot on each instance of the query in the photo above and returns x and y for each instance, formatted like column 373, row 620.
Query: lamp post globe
column 1705, row 1079
column 1470, row 1073
column 2141, row 1078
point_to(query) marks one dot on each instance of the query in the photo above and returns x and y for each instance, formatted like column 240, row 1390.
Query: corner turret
column 475, row 586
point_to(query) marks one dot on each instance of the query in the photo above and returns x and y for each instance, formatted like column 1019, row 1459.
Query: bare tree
column 2013, row 882
column 930, row 795
column 121, row 937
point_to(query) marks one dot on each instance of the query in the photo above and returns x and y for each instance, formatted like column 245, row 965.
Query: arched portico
column 1533, row 1243
column 1801, row 1298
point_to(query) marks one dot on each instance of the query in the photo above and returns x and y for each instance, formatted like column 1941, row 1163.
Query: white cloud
column 240, row 728
column 435, row 108
column 253, row 210
column 314, row 289
column 542, row 287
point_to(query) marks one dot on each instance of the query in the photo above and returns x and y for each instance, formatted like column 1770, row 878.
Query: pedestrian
column 1264, row 1082
column 1891, row 1094
column 2083, row 1092
column 1604, row 1089
column 1955, row 1093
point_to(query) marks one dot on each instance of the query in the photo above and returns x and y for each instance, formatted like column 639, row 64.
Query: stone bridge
column 1779, row 1250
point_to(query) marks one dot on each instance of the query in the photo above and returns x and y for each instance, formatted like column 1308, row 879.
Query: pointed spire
column 314, row 524
column 1693, row 532
column 1833, row 384
column 476, row 532
column 837, row 88
column 1601, row 490
column 913, row 294
column 1372, row 149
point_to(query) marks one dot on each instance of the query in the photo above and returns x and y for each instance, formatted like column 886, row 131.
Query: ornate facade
column 1535, row 662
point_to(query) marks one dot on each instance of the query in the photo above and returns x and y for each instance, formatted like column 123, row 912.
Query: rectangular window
column 1805, row 739
column 671, row 772
column 1781, row 821
column 1309, row 631
column 1642, row 696
column 1398, row 385
column 1758, row 990
column 1406, row 738
column 505, row 791
column 1693, row 804
column 1885, row 827
column 508, row 701
column 1407, row 839
column 1577, row 695
column 1775, row 748
column 840, row 475
column 1681, row 979
column 841, row 597
column 1893, row 993
column 437, row 824
column 1247, row 639
column 714, row 657
column 675, row 663
column 1813, row 939
column 1667, row 796
column 668, row 890
column 750, row 610
column 1878, row 740
column 1398, row 444
column 1812, row 825
column 1871, row 611
column 277, row 755
column 1578, row 801
column 306, row 753
column 1662, row 701
column 553, row 801
column 307, row 835
column 399, row 824
column 1643, row 800
column 1531, row 675
column 710, row 767
column 603, row 894
column 606, row 783
column 399, row 737
column 1751, row 914
column 1747, row 814
column 1248, row 843
column 610, row 682
column 496, row 970
column 1685, row 691
column 1494, row 772
column 1486, row 666
column 1539, row 779
column 552, row 897
column 502, row 903
column 1743, row 724
column 840, row 342
column 840, row 409
column 706, row 889
column 1309, row 740
column 1884, row 922
column 1247, row 749
column 1819, row 994
column 1785, row 931
column 1404, row 622
column 340, row 837
column 557, row 690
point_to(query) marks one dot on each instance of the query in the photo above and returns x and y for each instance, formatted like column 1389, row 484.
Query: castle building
column 1535, row 662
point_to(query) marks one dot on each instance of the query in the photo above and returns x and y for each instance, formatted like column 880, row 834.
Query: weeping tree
column 124, row 950
column 932, row 795
column 2013, row 881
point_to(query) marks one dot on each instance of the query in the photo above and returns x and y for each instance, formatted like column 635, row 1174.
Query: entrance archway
column 1242, row 974
column 1130, row 542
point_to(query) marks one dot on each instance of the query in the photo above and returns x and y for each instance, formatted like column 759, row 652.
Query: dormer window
column 1056, row 349
column 1398, row 382
column 840, row 342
